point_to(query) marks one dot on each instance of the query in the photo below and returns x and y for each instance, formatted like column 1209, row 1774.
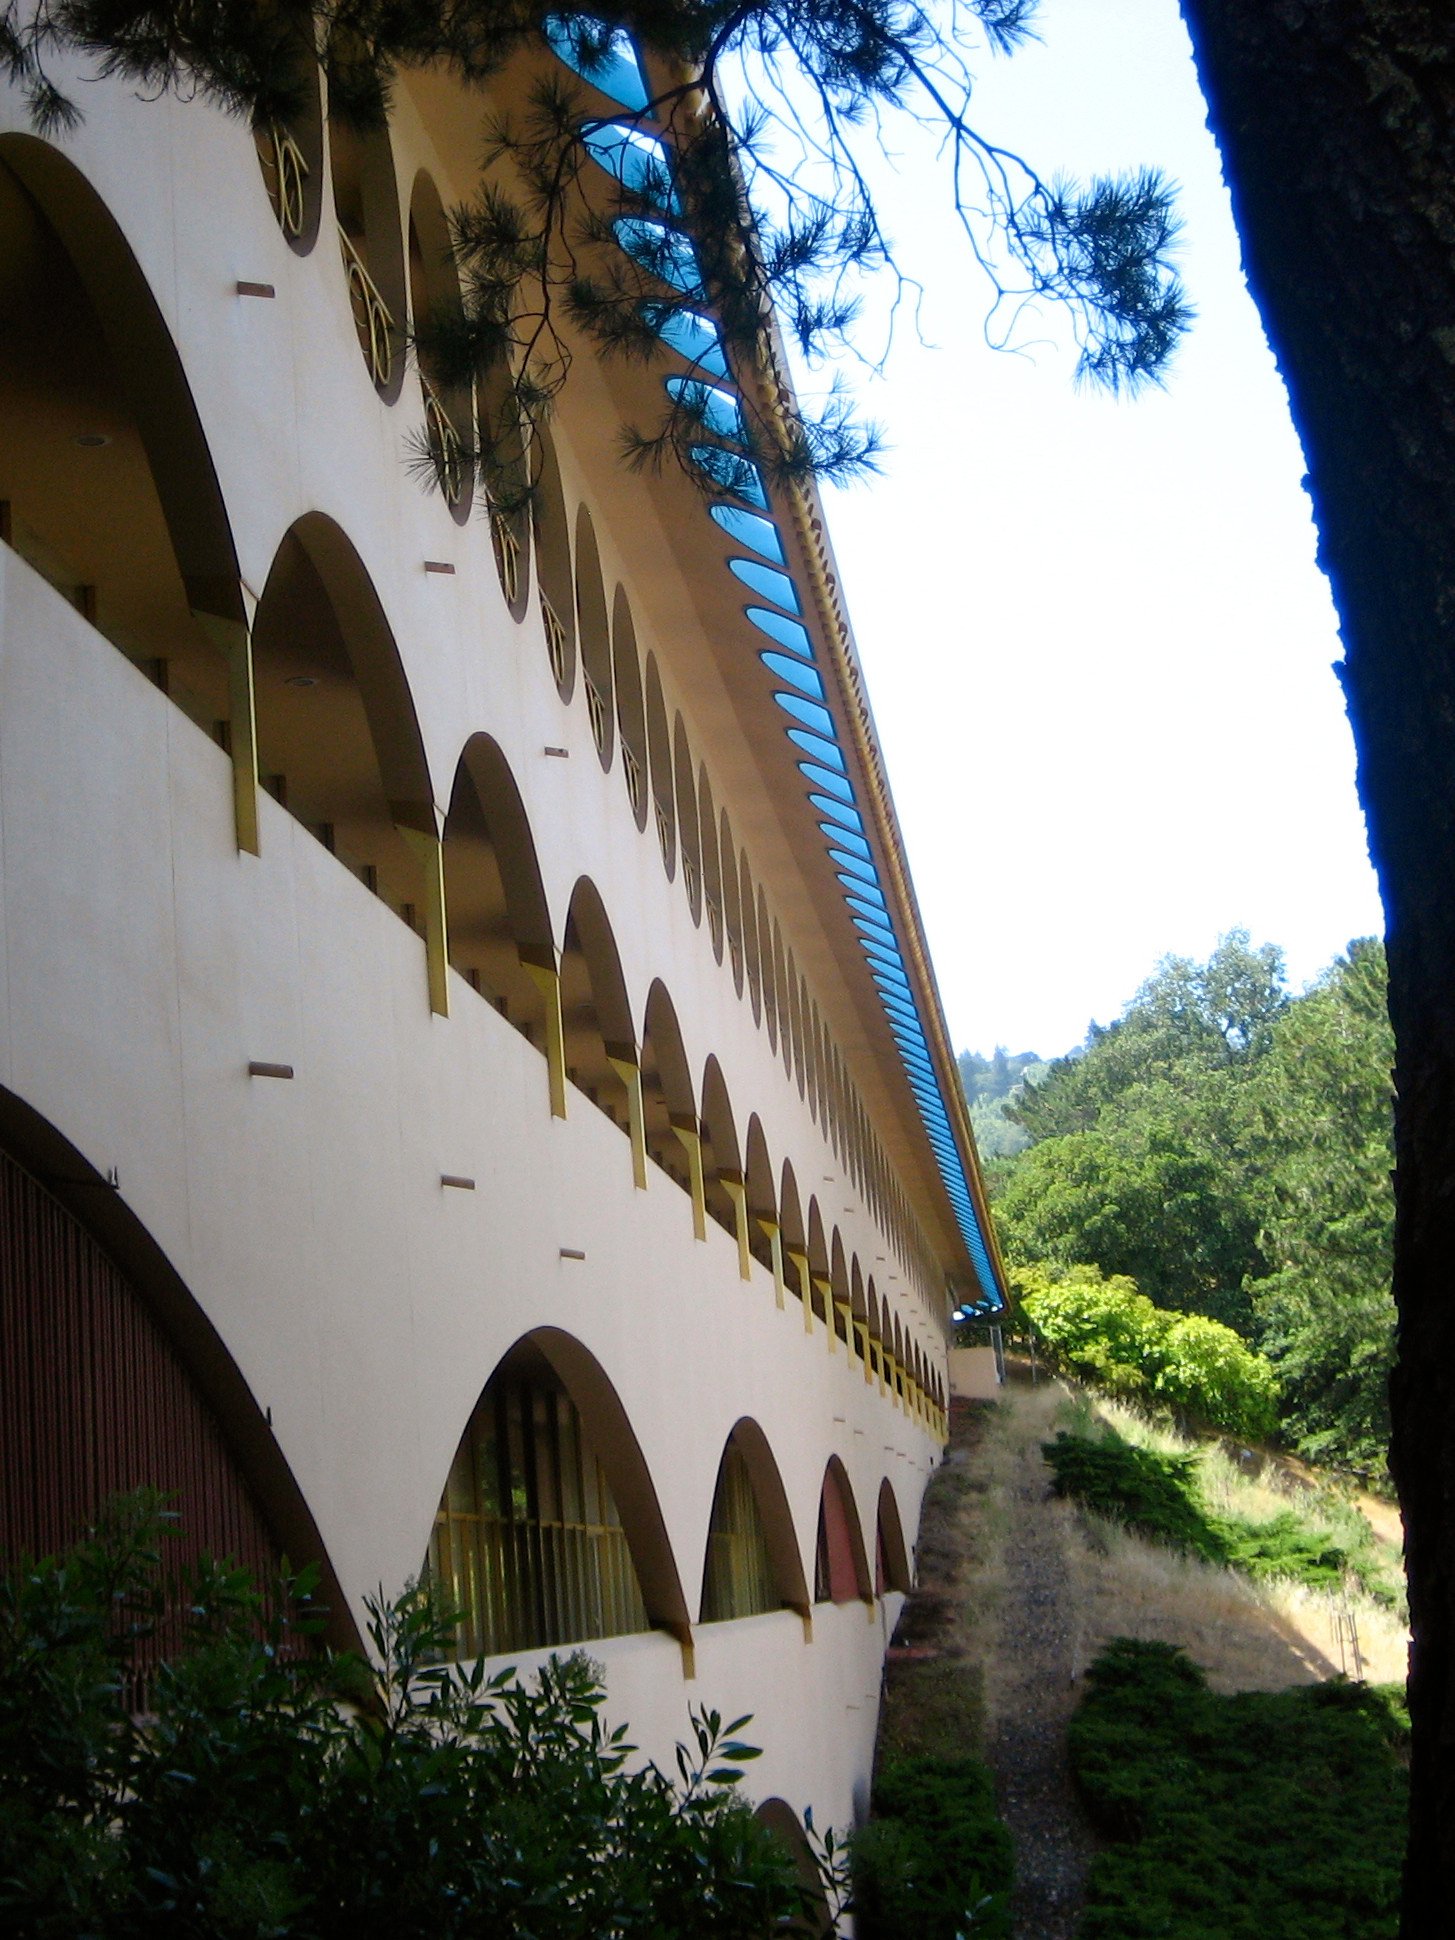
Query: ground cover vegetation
column 1255, row 1816
column 271, row 1788
column 1222, row 1153
column 1159, row 1492
column 935, row 1861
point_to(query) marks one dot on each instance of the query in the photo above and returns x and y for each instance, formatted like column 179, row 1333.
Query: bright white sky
column 1096, row 640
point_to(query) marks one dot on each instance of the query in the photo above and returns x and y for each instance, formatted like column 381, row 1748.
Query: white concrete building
column 471, row 1085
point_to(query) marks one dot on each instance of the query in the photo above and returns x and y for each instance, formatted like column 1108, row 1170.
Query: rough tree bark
column 1336, row 121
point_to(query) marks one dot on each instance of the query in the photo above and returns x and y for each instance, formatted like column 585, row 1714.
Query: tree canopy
column 1225, row 1148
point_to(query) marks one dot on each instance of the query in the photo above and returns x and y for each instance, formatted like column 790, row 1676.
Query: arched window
column 659, row 750
column 688, row 833
column 840, row 1570
column 435, row 309
column 290, row 153
column 738, row 1580
column 631, row 719
column 553, row 564
column 528, row 1544
column 366, row 203
column 595, row 638
column 711, row 860
column 891, row 1563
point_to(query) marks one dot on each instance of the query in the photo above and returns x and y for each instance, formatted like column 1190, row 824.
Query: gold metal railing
column 372, row 316
column 596, row 710
column 287, row 171
column 555, row 640
column 631, row 768
column 444, row 444
column 507, row 554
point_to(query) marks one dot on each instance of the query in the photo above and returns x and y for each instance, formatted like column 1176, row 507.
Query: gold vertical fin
column 548, row 982
column 691, row 1141
column 429, row 851
column 629, row 1071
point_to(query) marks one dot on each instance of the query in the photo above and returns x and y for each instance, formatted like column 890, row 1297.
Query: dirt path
column 1033, row 1694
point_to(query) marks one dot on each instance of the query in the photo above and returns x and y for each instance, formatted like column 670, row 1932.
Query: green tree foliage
column 992, row 1085
column 1227, row 1147
column 1322, row 1121
column 1107, row 1331
column 274, row 1789
column 770, row 113
column 1262, row 1816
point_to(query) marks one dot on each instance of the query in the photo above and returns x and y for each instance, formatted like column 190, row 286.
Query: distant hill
column 990, row 1085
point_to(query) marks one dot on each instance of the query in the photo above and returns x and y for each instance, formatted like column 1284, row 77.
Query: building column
column 799, row 1262
column 429, row 852
column 234, row 641
column 690, row 1136
column 773, row 1233
column 736, row 1190
column 547, row 981
column 825, row 1286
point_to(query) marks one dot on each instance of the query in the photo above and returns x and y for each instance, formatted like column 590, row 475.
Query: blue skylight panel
column 865, row 928
column 716, row 409
column 694, row 338
column 865, row 871
column 731, row 472
column 635, row 159
column 767, row 583
column 870, row 891
column 817, row 746
column 821, row 778
column 865, row 908
column 748, row 529
column 847, row 838
column 848, row 816
column 788, row 633
column 616, row 70
column 808, row 712
column 802, row 677
column 663, row 252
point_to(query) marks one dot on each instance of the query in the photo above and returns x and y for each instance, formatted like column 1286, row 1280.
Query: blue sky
column 1097, row 642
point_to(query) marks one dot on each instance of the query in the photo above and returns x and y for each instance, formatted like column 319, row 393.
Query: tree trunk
column 1336, row 121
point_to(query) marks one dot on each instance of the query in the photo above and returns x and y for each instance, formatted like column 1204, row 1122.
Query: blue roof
column 616, row 70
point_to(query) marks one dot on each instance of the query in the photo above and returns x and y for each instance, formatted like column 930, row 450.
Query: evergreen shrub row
column 1261, row 1816
column 935, row 1861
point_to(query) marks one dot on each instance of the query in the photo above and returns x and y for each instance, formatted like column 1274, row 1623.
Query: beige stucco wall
column 144, row 961
column 972, row 1373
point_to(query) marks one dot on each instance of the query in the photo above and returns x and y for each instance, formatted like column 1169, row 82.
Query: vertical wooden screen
column 528, row 1546
column 738, row 1578
column 94, row 1402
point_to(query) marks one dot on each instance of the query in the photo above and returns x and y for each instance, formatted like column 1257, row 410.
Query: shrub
column 1113, row 1336
column 275, row 1789
column 934, row 1862
column 1255, row 1817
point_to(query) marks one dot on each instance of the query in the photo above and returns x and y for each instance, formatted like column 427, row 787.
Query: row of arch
column 135, row 532
column 587, row 636
column 549, row 1530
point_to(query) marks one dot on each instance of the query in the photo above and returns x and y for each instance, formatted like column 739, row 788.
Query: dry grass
column 1247, row 1635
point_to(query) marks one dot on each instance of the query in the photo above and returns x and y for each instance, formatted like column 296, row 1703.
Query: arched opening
column 500, row 926
column 782, row 1000
column 503, row 473
column 595, row 1010
column 688, row 834
column 797, row 1024
column 549, row 1530
column 338, row 742
column 436, row 310
column 722, row 1163
column 659, row 752
column 839, row 1282
column 891, row 1560
column 750, row 937
column 732, row 908
column 290, row 151
column 594, row 637
column 366, row 205
column 787, row 1827
column 858, row 1309
column 630, row 707
column 107, row 487
column 711, row 860
column 762, row 1200
column 841, row 1567
column 752, row 1563
column 667, row 1100
column 769, row 973
column 818, row 1263
column 553, row 563
column 795, row 1232
column 115, row 1380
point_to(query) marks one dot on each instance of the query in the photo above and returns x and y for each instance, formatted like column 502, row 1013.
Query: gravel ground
column 1036, row 1693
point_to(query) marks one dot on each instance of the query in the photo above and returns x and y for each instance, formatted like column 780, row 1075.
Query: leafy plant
column 935, row 1861
column 1262, row 1816
column 272, row 1788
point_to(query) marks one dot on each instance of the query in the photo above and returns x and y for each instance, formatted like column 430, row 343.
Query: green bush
column 274, row 1789
column 1157, row 1495
column 1113, row 1336
column 1255, row 1817
column 935, row 1861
